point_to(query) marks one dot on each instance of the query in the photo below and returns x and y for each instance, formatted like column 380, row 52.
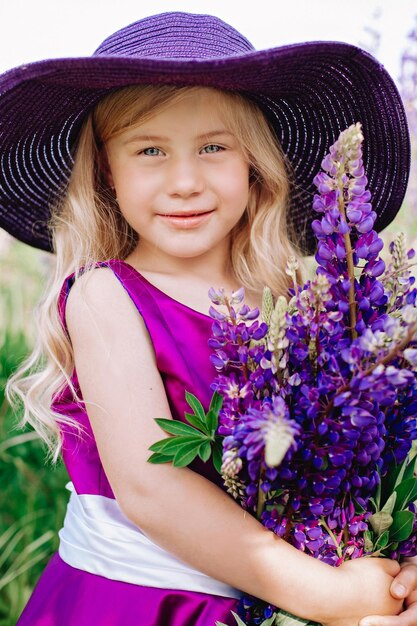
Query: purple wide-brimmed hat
column 309, row 92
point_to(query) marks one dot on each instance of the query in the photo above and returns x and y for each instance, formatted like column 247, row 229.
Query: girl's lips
column 186, row 221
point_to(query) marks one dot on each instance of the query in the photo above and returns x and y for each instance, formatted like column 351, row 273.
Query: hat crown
column 176, row 35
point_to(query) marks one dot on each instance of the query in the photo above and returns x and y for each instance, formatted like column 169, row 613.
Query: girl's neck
column 188, row 280
column 212, row 266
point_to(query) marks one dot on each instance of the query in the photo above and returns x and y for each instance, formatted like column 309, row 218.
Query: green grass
column 32, row 495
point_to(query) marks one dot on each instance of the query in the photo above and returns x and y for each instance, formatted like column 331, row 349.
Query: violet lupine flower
column 333, row 371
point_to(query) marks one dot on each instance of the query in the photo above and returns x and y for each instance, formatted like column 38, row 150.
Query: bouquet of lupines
column 315, row 400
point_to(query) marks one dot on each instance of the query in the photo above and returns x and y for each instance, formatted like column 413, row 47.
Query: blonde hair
column 87, row 226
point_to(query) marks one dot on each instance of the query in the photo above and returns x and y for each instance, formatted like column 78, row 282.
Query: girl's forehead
column 204, row 108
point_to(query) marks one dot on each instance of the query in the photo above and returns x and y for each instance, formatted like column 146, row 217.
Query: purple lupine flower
column 329, row 378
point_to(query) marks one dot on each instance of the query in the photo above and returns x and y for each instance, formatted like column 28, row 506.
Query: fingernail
column 365, row 623
column 399, row 590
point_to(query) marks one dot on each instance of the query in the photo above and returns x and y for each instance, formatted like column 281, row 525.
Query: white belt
column 97, row 537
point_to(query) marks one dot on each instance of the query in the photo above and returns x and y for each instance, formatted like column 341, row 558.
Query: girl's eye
column 211, row 148
column 151, row 151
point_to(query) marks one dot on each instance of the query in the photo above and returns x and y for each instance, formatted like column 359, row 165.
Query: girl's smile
column 187, row 220
column 181, row 179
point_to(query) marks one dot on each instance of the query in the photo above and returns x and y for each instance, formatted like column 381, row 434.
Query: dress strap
column 168, row 324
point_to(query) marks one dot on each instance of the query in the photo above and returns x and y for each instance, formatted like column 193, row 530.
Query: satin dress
column 106, row 571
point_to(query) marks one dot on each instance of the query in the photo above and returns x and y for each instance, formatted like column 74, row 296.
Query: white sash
column 97, row 537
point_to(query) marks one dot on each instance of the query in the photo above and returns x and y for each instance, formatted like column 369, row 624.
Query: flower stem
column 350, row 265
column 261, row 494
column 331, row 534
column 395, row 350
column 240, row 342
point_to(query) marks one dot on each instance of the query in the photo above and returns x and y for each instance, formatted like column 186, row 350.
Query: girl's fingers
column 405, row 582
column 407, row 618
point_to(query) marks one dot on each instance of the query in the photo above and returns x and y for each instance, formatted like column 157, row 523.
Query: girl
column 151, row 183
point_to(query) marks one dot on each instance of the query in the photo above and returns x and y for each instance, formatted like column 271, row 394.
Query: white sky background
column 31, row 30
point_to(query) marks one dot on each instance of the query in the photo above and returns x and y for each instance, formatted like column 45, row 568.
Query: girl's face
column 181, row 178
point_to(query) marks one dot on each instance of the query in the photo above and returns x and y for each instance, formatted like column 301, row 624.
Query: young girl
column 153, row 170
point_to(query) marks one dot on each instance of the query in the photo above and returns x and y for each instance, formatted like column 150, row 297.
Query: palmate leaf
column 157, row 458
column 196, row 405
column 216, row 402
column 204, row 451
column 212, row 421
column 197, row 422
column 174, row 427
column 186, row 454
column 198, row 437
column 217, row 455
column 171, row 445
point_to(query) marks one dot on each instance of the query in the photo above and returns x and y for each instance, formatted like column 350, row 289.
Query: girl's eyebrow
column 214, row 133
column 145, row 137
column 156, row 138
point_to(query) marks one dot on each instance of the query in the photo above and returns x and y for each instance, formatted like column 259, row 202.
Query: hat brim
column 310, row 92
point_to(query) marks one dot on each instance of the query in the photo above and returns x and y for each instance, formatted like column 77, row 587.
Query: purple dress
column 68, row 595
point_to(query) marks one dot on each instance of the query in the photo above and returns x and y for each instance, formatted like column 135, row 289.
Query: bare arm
column 178, row 509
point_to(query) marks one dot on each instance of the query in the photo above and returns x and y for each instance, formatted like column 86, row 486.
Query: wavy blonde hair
column 87, row 227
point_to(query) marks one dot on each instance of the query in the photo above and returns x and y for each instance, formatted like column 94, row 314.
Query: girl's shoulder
column 97, row 304
column 101, row 287
column 119, row 301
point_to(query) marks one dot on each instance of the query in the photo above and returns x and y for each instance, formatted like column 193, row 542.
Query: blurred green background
column 32, row 494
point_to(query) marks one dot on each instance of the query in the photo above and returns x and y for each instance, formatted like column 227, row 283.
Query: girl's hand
column 364, row 586
column 404, row 587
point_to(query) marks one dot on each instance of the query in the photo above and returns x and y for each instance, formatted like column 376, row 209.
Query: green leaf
column 410, row 470
column 159, row 458
column 380, row 522
column 406, row 493
column 196, row 405
column 270, row 621
column 174, row 427
column 393, row 478
column 212, row 422
column 276, row 493
column 237, row 618
column 204, row 451
column 186, row 454
column 389, row 505
column 369, row 545
column 402, row 526
column 196, row 422
column 217, row 455
column 358, row 507
column 170, row 445
column 216, row 402
column 382, row 541
column 378, row 496
column 287, row 619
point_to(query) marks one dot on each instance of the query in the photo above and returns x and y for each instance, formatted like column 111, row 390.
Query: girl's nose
column 185, row 178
